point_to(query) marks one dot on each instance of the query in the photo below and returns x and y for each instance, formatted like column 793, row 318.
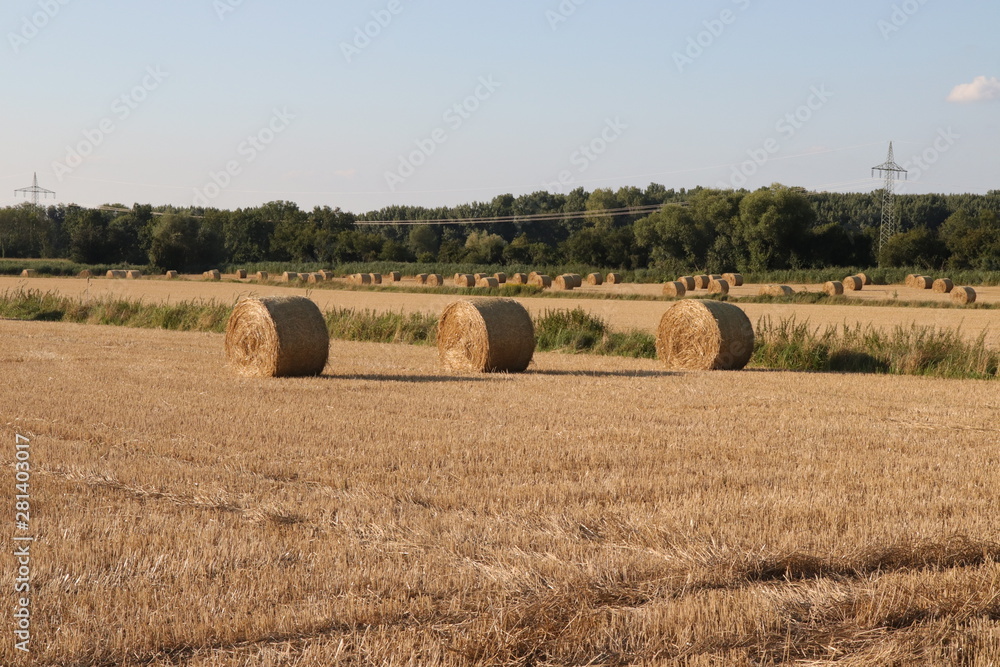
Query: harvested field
column 376, row 523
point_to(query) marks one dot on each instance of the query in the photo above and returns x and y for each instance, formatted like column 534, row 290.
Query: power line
column 534, row 217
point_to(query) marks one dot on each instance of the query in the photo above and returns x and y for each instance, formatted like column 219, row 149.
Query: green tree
column 919, row 247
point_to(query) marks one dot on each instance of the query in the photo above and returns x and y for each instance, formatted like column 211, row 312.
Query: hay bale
column 241, row 274
column 326, row 274
column 289, row 277
column 734, row 279
column 477, row 276
column 488, row 282
column 533, row 274
column 704, row 335
column 910, row 278
column 613, row 279
column 834, row 288
column 865, row 278
column 376, row 278
column 116, row 274
column 304, row 277
column 943, row 285
column 29, row 273
column 314, row 278
column 465, row 280
column 963, row 295
column 577, row 279
column 688, row 282
column 361, row 279
column 853, row 284
column 422, row 278
column 277, row 337
column 719, row 286
column 214, row 274
column 776, row 290
column 171, row 275
column 518, row 279
column 701, row 282
column 923, row 282
column 486, row 335
column 134, row 275
column 675, row 289
column 595, row 279
column 714, row 276
column 540, row 280
column 435, row 280
column 394, row 276
column 263, row 276
column 564, row 282
column 501, row 277
column 86, row 273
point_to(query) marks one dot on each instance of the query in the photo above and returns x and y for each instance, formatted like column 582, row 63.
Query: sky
column 367, row 104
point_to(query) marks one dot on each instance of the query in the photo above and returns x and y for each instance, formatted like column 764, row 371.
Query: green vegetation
column 786, row 344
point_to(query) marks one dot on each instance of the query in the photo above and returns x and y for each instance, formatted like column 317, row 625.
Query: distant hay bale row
column 718, row 286
column 430, row 279
column 688, row 282
column 263, row 276
column 943, row 285
column 564, row 282
column 465, row 280
column 675, row 289
column 488, row 282
column 289, row 277
column 613, row 279
column 853, row 283
column 501, row 278
column 595, row 279
column 115, row 274
column 704, row 335
column 776, row 290
column 277, row 337
column 734, row 279
column 834, row 288
column 214, row 275
column 702, row 281
column 360, row 279
column 923, row 282
column 518, row 279
column 486, row 335
column 393, row 276
column 540, row 280
column 963, row 295
column 241, row 274
column 133, row 275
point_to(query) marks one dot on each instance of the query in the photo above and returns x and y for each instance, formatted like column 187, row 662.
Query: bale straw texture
column 923, row 282
column 675, row 288
column 435, row 280
column 943, row 285
column 540, row 280
column 277, row 337
column 595, row 279
column 853, row 284
column 613, row 279
column 688, row 282
column 910, row 278
column 533, row 274
column 704, row 335
column 488, row 282
column 734, row 279
column 564, row 282
column 701, row 282
column 465, row 280
column 718, row 286
column 501, row 278
column 486, row 335
column 518, row 279
column 376, row 278
column 865, row 278
column 963, row 295
column 422, row 279
column 834, row 288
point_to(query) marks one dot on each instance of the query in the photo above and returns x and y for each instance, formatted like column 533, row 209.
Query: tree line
column 772, row 228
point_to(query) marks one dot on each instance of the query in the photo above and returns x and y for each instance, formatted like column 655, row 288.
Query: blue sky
column 235, row 103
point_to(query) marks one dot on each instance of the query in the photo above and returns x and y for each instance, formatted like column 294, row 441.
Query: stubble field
column 591, row 511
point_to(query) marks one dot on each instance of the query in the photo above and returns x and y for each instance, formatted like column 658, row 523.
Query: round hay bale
column 943, row 285
column 501, row 277
column 86, row 273
column 613, row 279
column 376, row 278
column 134, row 275
column 362, row 279
column 595, row 279
column 688, row 282
column 776, row 290
column 853, row 284
column 171, row 275
column 865, row 278
column 464, row 280
column 422, row 279
column 577, row 279
column 241, row 274
column 533, row 274
column 116, row 274
column 564, row 282
column 675, row 289
column 486, row 335
column 701, row 282
column 714, row 276
column 734, row 279
column 277, row 337
column 518, row 279
column 289, row 276
column 214, row 274
column 488, row 282
column 910, row 278
column 304, row 277
column 263, row 276
column 314, row 278
column 704, row 335
column 29, row 273
column 963, row 295
column 326, row 275
column 435, row 280
column 719, row 286
column 394, row 276
column 540, row 280
column 923, row 282
column 834, row 288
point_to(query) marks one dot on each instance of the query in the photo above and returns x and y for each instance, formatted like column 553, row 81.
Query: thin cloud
column 981, row 89
column 347, row 173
